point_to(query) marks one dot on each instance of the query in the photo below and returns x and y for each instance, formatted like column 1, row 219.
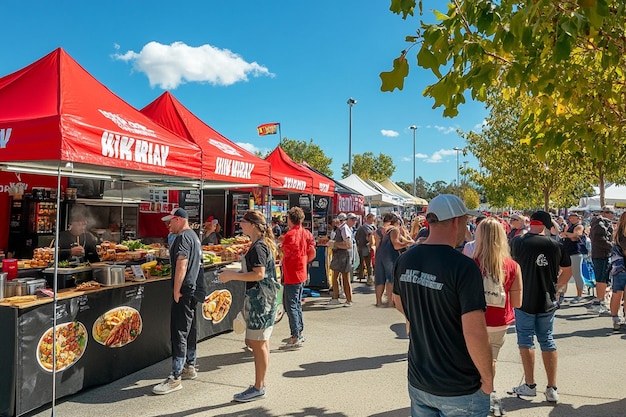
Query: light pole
column 465, row 171
column 351, row 102
column 457, row 149
column 414, row 129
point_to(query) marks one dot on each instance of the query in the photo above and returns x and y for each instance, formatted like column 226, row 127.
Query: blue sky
column 240, row 64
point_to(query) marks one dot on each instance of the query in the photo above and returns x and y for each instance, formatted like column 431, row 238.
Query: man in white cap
column 188, row 290
column 440, row 292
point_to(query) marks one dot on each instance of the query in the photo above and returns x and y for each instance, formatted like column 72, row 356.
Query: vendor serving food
column 76, row 243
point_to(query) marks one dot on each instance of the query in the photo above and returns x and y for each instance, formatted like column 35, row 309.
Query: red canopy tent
column 222, row 160
column 290, row 176
column 54, row 112
column 287, row 175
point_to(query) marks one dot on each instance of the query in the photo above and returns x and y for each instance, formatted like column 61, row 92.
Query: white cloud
column 389, row 133
column 445, row 129
column 116, row 46
column 417, row 156
column 479, row 126
column 438, row 156
column 249, row 147
column 169, row 66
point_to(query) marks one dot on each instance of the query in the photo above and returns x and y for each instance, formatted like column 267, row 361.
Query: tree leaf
column 395, row 78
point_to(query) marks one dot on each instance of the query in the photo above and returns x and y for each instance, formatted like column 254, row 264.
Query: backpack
column 495, row 295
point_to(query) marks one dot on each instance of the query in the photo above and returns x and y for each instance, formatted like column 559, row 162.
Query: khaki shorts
column 261, row 334
column 496, row 340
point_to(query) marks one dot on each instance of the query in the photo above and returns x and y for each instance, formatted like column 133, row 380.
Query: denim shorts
column 601, row 268
column 619, row 281
column 424, row 404
column 530, row 325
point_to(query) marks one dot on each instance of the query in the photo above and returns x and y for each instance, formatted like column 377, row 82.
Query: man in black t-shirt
column 440, row 292
column 187, row 290
column 541, row 259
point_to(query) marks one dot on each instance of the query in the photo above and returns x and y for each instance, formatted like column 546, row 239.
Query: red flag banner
column 267, row 129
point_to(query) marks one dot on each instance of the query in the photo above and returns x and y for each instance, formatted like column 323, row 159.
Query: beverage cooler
column 32, row 225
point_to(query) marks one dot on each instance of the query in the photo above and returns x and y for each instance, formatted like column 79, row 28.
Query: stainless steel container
column 67, row 277
column 34, row 284
column 10, row 288
column 109, row 275
column 3, row 280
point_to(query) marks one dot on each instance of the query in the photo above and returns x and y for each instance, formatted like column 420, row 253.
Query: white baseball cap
column 448, row 206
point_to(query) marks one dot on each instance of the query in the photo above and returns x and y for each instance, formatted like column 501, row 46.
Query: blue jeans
column 292, row 296
column 424, row 404
column 529, row 325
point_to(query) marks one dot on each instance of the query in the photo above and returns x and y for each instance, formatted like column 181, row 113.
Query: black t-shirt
column 539, row 258
column 259, row 254
column 187, row 244
column 437, row 286
column 86, row 240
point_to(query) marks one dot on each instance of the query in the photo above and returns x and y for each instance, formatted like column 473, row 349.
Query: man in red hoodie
column 298, row 250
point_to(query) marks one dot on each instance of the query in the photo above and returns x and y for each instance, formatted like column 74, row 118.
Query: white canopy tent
column 401, row 200
column 392, row 186
column 373, row 197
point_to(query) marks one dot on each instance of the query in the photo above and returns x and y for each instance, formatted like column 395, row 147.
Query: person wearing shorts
column 491, row 253
column 386, row 254
column 259, row 309
column 601, row 235
column 541, row 259
column 341, row 262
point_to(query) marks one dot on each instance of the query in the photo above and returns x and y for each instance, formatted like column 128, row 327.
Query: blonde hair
column 491, row 248
column 256, row 218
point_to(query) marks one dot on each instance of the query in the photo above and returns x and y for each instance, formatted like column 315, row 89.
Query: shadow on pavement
column 611, row 409
column 341, row 366
column 255, row 412
column 400, row 412
column 400, row 330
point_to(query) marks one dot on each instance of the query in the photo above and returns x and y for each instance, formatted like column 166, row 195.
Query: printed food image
column 117, row 327
column 71, row 340
column 216, row 305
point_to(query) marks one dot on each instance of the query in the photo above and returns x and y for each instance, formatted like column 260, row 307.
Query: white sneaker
column 616, row 323
column 348, row 304
column 342, row 295
column 171, row 384
column 524, row 390
column 334, row 302
column 370, row 281
column 551, row 394
column 189, row 372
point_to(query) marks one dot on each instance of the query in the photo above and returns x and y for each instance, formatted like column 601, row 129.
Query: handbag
column 495, row 295
column 589, row 276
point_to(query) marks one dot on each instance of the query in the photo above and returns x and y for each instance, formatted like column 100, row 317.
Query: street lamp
column 350, row 102
column 457, row 149
column 465, row 171
column 414, row 129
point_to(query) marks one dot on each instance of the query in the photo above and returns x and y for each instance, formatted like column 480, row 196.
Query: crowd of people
column 460, row 278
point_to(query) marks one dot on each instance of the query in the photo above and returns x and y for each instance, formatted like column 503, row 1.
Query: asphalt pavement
column 353, row 363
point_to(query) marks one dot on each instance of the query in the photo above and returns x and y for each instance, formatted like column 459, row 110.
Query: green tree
column 568, row 56
column 512, row 175
column 470, row 196
column 440, row 187
column 309, row 152
column 367, row 166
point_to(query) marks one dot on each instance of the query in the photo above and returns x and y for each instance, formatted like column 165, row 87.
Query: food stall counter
column 126, row 325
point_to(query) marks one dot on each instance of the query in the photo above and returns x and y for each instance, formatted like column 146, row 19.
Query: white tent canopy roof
column 392, row 186
column 373, row 197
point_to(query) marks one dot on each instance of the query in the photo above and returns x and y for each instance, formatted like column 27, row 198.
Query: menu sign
column 241, row 205
column 190, row 201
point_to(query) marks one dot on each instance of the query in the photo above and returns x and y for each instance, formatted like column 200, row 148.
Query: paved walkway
column 354, row 364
